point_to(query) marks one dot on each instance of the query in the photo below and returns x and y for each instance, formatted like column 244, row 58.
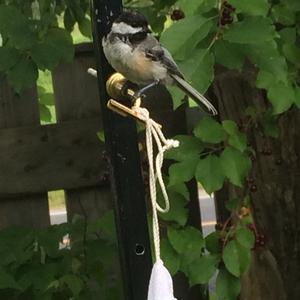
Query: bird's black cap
column 132, row 18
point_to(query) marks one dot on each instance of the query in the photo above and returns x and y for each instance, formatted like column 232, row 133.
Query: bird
column 131, row 49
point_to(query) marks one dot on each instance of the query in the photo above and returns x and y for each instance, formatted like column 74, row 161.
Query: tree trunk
column 275, row 192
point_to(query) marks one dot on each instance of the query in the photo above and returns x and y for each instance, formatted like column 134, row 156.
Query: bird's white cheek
column 116, row 53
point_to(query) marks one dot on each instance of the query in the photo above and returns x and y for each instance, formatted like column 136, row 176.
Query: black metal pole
column 127, row 183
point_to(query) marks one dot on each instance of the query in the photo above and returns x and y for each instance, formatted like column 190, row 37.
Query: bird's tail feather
column 190, row 91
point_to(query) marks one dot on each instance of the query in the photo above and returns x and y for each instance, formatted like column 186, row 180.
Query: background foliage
column 202, row 35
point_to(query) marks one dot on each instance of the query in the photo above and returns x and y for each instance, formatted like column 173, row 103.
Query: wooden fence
column 68, row 155
column 36, row 159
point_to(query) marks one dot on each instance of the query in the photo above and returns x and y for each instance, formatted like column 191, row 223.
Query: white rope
column 163, row 144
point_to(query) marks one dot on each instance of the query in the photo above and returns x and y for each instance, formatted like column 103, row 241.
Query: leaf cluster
column 33, row 38
column 66, row 261
column 215, row 153
column 262, row 33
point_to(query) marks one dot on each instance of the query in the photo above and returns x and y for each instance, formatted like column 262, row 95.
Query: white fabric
column 161, row 285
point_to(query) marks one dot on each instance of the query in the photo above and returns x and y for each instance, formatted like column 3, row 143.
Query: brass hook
column 115, row 87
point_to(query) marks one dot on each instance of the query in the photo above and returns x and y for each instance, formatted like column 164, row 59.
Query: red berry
column 262, row 243
column 177, row 14
column 226, row 13
column 251, row 226
column 253, row 188
column 219, row 226
column 250, row 179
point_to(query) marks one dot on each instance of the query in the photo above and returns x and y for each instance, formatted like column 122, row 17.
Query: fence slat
column 76, row 97
column 50, row 157
column 17, row 111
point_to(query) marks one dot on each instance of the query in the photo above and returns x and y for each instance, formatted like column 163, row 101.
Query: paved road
column 58, row 217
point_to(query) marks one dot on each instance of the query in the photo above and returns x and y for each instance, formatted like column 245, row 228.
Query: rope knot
column 170, row 143
column 143, row 113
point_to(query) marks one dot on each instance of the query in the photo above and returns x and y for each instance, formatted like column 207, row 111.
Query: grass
column 57, row 200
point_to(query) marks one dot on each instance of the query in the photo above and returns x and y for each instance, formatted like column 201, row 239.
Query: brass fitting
column 115, row 87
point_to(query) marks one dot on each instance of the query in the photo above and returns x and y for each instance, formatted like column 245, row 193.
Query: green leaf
column 212, row 242
column 69, row 19
column 251, row 30
column 182, row 172
column 267, row 57
column 288, row 35
column 236, row 165
column 236, row 258
column 23, row 74
column 210, row 131
column 292, row 53
column 229, row 54
column 178, row 211
column 156, row 19
column 199, row 69
column 106, row 225
column 39, row 276
column 180, row 189
column 47, row 54
column 230, row 127
column 210, row 174
column 281, row 96
column 85, row 27
column 236, row 139
column 73, row 282
column 101, row 136
column 47, row 99
column 189, row 147
column 203, row 269
column 8, row 58
column 45, row 113
column 232, row 204
column 15, row 26
column 264, row 79
column 170, row 257
column 270, row 124
column 283, row 14
column 189, row 7
column 253, row 7
column 245, row 237
column 7, row 281
column 228, row 286
column 292, row 4
column 186, row 241
column 189, row 31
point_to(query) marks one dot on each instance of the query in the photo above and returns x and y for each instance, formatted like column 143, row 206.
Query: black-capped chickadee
column 132, row 50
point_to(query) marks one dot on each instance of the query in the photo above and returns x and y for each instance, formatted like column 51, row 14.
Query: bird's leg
column 140, row 93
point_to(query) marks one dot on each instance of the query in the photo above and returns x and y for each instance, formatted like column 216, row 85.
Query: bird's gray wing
column 156, row 52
